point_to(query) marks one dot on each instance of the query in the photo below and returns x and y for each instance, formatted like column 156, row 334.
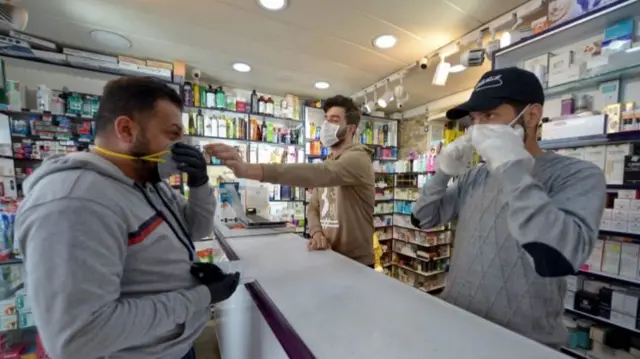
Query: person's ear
column 125, row 129
column 532, row 117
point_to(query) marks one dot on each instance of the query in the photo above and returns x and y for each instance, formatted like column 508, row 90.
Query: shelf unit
column 417, row 257
column 608, row 77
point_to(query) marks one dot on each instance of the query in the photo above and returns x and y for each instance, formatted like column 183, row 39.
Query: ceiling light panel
column 321, row 85
column 241, row 67
column 273, row 5
column 384, row 42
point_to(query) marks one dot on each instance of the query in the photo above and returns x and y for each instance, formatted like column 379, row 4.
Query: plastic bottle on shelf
column 253, row 102
column 261, row 105
column 263, row 131
column 199, row 123
column 221, row 101
column 222, row 127
column 187, row 94
column 211, row 97
column 269, row 107
column 196, row 94
column 203, row 96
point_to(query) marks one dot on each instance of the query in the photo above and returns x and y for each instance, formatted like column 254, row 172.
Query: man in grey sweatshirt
column 525, row 219
column 108, row 244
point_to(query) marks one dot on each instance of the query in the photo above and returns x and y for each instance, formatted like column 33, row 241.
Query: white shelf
column 599, row 319
column 422, row 244
column 612, row 276
column 424, row 274
column 590, row 25
column 576, row 352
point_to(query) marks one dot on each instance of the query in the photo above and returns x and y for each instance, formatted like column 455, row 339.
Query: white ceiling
column 290, row 50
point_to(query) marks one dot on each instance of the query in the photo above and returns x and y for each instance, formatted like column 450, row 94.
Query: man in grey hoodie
column 108, row 244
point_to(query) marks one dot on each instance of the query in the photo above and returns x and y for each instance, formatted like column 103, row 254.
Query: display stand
column 592, row 91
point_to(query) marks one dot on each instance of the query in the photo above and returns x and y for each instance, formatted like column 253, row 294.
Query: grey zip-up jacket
column 107, row 261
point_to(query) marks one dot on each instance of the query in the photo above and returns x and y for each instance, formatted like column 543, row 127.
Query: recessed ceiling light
column 111, row 39
column 385, row 41
column 273, row 5
column 241, row 67
column 321, row 85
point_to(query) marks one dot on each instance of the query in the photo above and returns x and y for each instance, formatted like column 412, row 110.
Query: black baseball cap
column 499, row 86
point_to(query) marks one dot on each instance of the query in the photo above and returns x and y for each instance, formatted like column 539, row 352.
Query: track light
column 401, row 101
column 398, row 91
column 442, row 73
column 387, row 97
column 369, row 106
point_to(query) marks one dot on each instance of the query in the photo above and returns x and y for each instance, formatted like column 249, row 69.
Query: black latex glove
column 207, row 273
column 223, row 289
column 190, row 161
column 221, row 285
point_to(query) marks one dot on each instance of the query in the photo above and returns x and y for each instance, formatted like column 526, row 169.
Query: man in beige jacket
column 340, row 211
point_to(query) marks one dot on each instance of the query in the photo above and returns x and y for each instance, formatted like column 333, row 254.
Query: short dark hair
column 132, row 96
column 350, row 108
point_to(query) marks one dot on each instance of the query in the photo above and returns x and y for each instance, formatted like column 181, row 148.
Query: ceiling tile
column 486, row 10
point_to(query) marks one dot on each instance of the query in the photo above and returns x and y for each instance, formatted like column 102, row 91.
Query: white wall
column 439, row 105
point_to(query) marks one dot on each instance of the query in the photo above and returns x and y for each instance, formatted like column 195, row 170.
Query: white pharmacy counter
column 341, row 309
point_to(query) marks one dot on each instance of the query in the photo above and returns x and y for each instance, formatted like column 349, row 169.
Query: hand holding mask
column 190, row 161
column 499, row 144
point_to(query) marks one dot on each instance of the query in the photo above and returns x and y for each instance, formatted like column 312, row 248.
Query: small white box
column 621, row 203
column 623, row 320
column 627, row 193
column 596, row 155
column 607, row 213
column 634, row 216
column 606, row 225
column 633, row 227
column 594, row 262
column 611, row 257
column 620, row 215
column 629, row 255
column 614, row 166
column 619, row 226
column 560, row 62
column 569, row 299
column 634, row 205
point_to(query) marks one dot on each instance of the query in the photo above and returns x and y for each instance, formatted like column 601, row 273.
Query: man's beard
column 146, row 171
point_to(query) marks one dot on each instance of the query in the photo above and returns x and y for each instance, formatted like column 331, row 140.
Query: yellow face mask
column 166, row 166
column 159, row 157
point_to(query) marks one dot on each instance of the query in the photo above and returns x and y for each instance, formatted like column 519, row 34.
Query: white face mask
column 329, row 134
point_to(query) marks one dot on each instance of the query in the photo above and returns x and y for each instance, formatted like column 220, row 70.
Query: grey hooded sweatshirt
column 107, row 261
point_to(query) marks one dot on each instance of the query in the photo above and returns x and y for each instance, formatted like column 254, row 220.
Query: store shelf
column 581, row 27
column 630, row 236
column 419, row 272
column 246, row 141
column 224, row 110
column 599, row 319
column 383, row 214
column 575, row 353
column 596, row 140
column 286, row 200
column 633, row 281
column 624, row 186
column 422, row 244
column 421, row 258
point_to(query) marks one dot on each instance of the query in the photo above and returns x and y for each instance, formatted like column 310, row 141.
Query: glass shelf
column 621, row 66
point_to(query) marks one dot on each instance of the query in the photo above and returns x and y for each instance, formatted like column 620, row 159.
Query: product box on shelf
column 615, row 162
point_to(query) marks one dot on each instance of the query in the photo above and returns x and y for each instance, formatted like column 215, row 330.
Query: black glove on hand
column 222, row 290
column 191, row 161
column 207, row 272
column 221, row 285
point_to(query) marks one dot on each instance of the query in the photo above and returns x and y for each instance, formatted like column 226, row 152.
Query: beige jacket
column 343, row 198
